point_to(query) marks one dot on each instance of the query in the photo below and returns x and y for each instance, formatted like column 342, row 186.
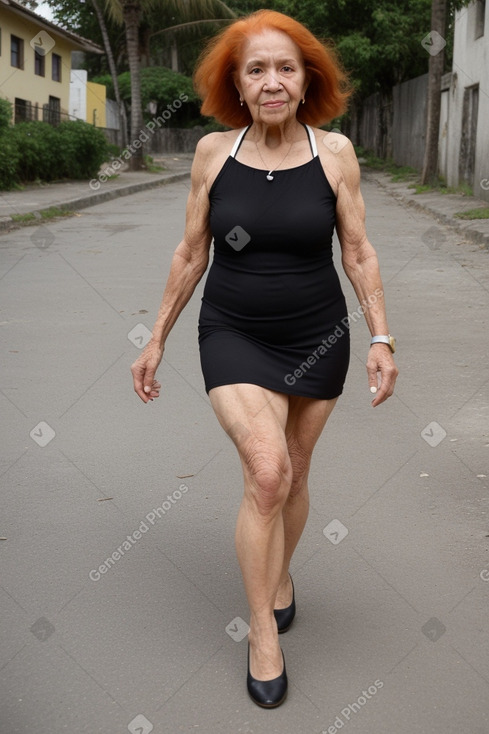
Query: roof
column 78, row 42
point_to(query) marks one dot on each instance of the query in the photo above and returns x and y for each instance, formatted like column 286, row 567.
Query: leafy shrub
column 31, row 151
column 83, row 149
column 37, row 150
column 164, row 86
column 5, row 114
column 8, row 163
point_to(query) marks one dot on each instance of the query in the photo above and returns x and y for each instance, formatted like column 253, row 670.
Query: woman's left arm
column 362, row 268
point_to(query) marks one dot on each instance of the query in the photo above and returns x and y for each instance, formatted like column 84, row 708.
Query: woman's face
column 271, row 77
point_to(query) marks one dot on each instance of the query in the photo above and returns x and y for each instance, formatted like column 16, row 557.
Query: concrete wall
column 409, row 122
column 78, row 95
column 174, row 140
column 470, row 68
column 24, row 83
column 375, row 124
column 112, row 120
column 96, row 94
column 87, row 99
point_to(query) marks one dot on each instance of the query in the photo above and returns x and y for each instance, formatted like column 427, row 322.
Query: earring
column 241, row 101
column 303, row 100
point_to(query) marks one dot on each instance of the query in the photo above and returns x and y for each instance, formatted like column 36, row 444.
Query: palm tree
column 437, row 61
column 112, row 69
column 130, row 13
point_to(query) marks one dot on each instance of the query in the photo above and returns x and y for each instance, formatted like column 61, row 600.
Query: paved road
column 121, row 600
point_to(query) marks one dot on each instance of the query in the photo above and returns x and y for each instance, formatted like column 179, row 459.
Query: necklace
column 269, row 174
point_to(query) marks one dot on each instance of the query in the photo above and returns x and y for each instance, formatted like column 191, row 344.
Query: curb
column 474, row 235
column 83, row 202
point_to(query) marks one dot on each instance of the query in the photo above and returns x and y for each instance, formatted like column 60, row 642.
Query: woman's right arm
column 188, row 265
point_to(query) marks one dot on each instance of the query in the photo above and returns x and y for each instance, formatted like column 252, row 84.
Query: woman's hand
column 380, row 361
column 144, row 370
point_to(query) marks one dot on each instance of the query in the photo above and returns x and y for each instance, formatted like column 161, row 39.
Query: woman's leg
column 305, row 422
column 255, row 419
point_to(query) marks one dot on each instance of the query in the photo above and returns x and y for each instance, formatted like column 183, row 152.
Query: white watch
column 385, row 339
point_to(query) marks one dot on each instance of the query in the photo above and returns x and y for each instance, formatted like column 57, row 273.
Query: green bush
column 5, row 114
column 83, row 149
column 38, row 150
column 8, row 163
column 32, row 151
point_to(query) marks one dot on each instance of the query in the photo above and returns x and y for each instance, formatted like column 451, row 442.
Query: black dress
column 273, row 312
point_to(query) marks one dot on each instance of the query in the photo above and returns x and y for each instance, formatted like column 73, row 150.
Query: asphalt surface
column 120, row 594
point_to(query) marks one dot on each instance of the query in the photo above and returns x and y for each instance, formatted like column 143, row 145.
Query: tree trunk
column 174, row 55
column 113, row 71
column 132, row 12
column 437, row 60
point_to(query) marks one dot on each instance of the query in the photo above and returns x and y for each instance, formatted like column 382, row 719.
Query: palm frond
column 189, row 25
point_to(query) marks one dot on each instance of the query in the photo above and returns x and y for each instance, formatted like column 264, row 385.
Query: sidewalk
column 441, row 206
column 75, row 195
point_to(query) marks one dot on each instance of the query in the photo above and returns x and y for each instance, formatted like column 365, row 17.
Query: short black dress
column 273, row 312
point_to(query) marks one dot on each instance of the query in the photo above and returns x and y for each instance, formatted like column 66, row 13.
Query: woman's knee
column 269, row 473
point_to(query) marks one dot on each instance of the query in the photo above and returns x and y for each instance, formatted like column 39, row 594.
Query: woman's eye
column 287, row 68
column 255, row 71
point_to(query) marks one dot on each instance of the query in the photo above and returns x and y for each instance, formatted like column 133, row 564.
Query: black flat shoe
column 285, row 617
column 267, row 693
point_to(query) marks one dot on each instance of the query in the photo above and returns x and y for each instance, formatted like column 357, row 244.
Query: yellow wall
column 24, row 83
column 96, row 104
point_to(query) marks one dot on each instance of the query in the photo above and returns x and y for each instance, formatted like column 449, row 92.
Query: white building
column 464, row 128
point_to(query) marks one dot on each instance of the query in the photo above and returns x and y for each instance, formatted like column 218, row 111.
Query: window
column 56, row 68
column 16, row 52
column 52, row 111
column 39, row 64
column 480, row 17
column 21, row 110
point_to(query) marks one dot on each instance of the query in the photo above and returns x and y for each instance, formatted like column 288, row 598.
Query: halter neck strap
column 310, row 135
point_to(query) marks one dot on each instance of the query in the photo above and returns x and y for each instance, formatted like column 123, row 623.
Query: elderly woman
column 273, row 332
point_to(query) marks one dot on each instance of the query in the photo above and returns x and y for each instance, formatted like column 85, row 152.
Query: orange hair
column 327, row 92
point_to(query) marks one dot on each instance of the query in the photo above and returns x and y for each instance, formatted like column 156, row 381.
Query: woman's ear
column 237, row 88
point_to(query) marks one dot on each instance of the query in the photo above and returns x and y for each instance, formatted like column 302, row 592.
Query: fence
column 409, row 122
column 25, row 111
column 394, row 126
column 163, row 141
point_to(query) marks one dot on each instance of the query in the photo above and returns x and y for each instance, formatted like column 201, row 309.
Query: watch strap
column 384, row 339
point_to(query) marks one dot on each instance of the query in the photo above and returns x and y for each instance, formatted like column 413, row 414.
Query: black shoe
column 285, row 617
column 267, row 693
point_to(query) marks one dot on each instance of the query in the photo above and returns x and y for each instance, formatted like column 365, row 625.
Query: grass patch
column 42, row 216
column 55, row 211
column 441, row 188
column 23, row 218
column 151, row 166
column 411, row 175
column 480, row 213
column 398, row 173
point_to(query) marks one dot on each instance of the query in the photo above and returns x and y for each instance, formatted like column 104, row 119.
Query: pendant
column 269, row 176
